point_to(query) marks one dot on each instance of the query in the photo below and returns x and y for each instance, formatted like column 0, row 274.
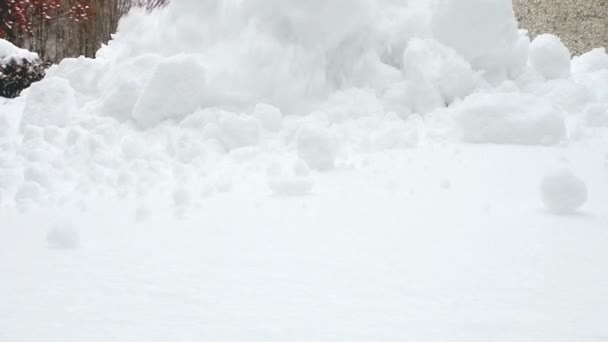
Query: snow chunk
column 550, row 57
column 510, row 119
column 316, row 147
column 428, row 61
column 563, row 193
column 177, row 88
column 63, row 236
column 50, row 102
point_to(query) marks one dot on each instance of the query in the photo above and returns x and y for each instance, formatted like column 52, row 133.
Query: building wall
column 581, row 24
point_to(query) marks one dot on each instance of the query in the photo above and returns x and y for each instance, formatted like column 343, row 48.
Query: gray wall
column 581, row 24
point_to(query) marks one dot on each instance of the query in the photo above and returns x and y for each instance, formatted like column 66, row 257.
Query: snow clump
column 563, row 192
column 550, row 57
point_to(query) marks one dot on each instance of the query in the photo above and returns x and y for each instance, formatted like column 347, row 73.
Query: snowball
column 63, row 236
column 316, row 147
column 50, row 102
column 563, row 193
column 510, row 119
column 269, row 116
column 550, row 57
column 177, row 88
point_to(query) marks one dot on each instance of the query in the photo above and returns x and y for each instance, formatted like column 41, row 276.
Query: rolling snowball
column 563, row 193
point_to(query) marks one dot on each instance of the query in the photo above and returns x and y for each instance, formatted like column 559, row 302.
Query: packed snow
column 271, row 170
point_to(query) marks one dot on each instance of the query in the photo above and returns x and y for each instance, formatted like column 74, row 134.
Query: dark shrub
column 17, row 74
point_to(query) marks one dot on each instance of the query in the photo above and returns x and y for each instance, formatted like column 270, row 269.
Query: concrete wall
column 581, row 24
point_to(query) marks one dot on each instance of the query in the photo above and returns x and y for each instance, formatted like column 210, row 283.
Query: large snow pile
column 179, row 89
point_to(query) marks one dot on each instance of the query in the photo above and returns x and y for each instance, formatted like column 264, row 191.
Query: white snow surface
column 282, row 170
column 8, row 51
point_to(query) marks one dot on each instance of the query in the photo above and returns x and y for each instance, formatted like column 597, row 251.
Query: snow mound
column 510, row 118
column 563, row 193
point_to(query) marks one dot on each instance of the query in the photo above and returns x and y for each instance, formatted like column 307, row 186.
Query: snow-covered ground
column 279, row 170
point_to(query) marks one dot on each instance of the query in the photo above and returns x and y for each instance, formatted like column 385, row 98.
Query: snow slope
column 324, row 170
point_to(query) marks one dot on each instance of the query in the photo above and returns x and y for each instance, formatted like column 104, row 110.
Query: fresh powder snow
column 320, row 170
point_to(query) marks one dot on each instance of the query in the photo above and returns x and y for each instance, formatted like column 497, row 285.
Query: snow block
column 175, row 90
column 51, row 102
